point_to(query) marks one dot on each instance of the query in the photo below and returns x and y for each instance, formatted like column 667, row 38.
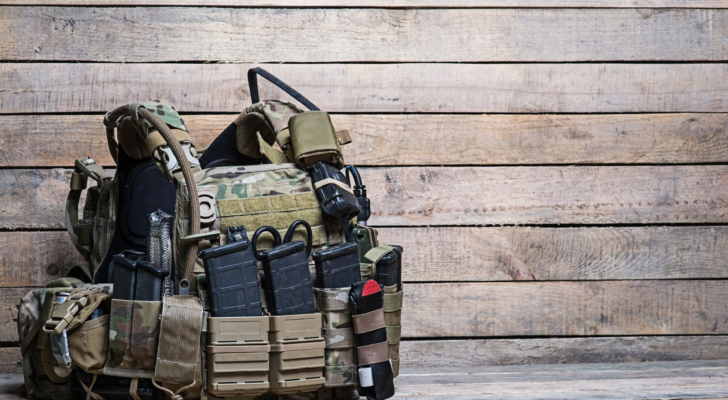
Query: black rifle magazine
column 337, row 266
column 232, row 280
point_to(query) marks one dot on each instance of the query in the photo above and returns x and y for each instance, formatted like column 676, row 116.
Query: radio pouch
column 366, row 303
column 337, row 198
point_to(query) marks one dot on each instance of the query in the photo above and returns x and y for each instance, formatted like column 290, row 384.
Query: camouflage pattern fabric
column 165, row 111
column 255, row 196
column 133, row 335
column 338, row 331
column 270, row 119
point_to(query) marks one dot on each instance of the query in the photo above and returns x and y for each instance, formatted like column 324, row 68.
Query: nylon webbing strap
column 395, row 367
column 394, row 334
column 331, row 299
column 372, row 354
column 179, row 340
column 376, row 254
column 339, row 338
column 368, row 322
column 332, row 181
column 344, row 375
column 393, row 302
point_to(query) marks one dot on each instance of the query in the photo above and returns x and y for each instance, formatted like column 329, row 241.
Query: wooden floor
column 638, row 380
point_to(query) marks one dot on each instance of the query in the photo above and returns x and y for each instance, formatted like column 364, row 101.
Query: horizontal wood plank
column 408, row 196
column 35, row 258
column 433, row 88
column 542, row 254
column 482, row 352
column 603, row 308
column 10, row 360
column 486, row 35
column 452, row 254
column 419, row 139
column 386, row 4
column 9, row 301
column 469, row 354
column 547, row 195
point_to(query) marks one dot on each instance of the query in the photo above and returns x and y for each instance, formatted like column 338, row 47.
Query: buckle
column 89, row 168
column 164, row 155
column 63, row 315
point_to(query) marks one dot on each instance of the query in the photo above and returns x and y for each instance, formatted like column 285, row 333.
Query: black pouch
column 337, row 266
column 232, row 277
column 376, row 378
column 337, row 198
column 288, row 288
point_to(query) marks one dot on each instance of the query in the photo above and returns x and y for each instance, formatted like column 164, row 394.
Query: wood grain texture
column 35, row 258
column 542, row 254
column 482, row 352
column 417, row 139
column 10, row 359
column 453, row 254
column 405, row 196
column 9, row 301
column 547, row 195
column 435, row 88
column 387, row 4
column 428, row 35
column 678, row 307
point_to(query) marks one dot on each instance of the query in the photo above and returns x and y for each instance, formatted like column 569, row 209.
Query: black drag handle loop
column 255, row 97
column 263, row 229
column 292, row 230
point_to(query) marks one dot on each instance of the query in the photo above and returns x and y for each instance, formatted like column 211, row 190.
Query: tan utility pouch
column 297, row 353
column 314, row 139
column 133, row 338
column 238, row 356
column 338, row 332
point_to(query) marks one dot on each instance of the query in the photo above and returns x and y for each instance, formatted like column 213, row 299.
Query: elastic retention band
column 369, row 322
column 372, row 354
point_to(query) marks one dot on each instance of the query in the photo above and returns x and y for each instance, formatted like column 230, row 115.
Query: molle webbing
column 179, row 340
column 338, row 333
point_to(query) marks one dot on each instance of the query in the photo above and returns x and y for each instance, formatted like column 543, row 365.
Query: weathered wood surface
column 547, row 195
column 543, row 254
column 388, row 4
column 35, row 258
column 668, row 380
column 9, row 301
column 420, row 139
column 443, row 354
column 656, row 380
column 10, row 359
column 438, row 88
column 453, row 254
column 482, row 352
column 35, row 199
column 429, row 35
column 602, row 308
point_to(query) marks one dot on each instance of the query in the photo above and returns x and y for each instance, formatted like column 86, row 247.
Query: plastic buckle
column 64, row 314
column 164, row 155
column 90, row 168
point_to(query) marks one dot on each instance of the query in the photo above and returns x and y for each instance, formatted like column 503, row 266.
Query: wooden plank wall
column 556, row 170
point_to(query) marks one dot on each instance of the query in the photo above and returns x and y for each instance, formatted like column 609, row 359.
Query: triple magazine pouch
column 231, row 273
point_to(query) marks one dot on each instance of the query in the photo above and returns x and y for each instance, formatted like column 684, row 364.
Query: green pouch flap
column 314, row 139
